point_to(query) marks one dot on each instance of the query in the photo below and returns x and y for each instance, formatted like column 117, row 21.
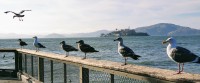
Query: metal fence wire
column 99, row 77
column 102, row 77
column 122, row 79
column 56, row 71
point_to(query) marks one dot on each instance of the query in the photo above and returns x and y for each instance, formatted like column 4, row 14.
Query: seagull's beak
column 164, row 42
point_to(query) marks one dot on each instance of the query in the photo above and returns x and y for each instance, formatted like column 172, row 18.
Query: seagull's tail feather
column 135, row 57
column 96, row 51
column 197, row 60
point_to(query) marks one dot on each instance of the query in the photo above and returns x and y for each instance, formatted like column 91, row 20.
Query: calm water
column 150, row 48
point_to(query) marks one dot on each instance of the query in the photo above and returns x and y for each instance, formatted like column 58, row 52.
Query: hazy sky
column 76, row 16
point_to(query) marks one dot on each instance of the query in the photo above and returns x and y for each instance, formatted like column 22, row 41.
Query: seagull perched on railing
column 85, row 48
column 22, row 43
column 125, row 51
column 19, row 15
column 67, row 48
column 179, row 54
column 37, row 44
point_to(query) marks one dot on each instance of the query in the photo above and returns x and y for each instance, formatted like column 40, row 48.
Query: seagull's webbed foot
column 179, row 72
column 67, row 54
column 83, row 58
column 124, row 64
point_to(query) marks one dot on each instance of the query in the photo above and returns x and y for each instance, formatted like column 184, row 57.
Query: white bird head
column 170, row 40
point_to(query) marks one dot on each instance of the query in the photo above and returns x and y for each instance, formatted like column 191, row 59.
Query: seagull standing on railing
column 19, row 15
column 37, row 44
column 22, row 43
column 179, row 54
column 125, row 51
column 85, row 48
column 67, row 48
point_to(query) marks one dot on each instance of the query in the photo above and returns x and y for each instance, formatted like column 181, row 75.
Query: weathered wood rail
column 130, row 71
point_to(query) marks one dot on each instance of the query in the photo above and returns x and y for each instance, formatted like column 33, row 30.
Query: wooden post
column 65, row 73
column 20, row 61
column 16, row 61
column 16, row 64
column 25, row 63
column 41, row 69
column 111, row 78
column 51, row 65
column 32, row 70
column 84, row 75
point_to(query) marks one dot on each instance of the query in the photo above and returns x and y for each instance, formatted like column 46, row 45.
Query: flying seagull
column 179, row 54
column 125, row 51
column 22, row 43
column 85, row 48
column 67, row 48
column 37, row 44
column 19, row 15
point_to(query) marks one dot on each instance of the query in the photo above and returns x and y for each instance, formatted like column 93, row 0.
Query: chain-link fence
column 58, row 72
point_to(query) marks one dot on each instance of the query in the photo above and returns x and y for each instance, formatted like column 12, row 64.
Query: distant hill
column 54, row 35
column 166, row 29
column 91, row 34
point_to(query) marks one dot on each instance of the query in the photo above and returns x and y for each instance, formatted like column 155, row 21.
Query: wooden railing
column 42, row 67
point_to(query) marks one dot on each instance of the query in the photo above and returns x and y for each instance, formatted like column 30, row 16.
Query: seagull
column 19, row 15
column 85, row 48
column 125, row 51
column 67, row 48
column 22, row 43
column 37, row 44
column 179, row 54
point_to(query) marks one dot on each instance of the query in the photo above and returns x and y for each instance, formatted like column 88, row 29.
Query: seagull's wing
column 10, row 12
column 41, row 46
column 182, row 55
column 23, row 43
column 126, row 51
column 69, row 48
column 87, row 48
column 23, row 11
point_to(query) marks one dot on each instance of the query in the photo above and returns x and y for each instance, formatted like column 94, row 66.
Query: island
column 124, row 32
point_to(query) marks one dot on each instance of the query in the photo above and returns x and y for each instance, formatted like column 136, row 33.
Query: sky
column 82, row 16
